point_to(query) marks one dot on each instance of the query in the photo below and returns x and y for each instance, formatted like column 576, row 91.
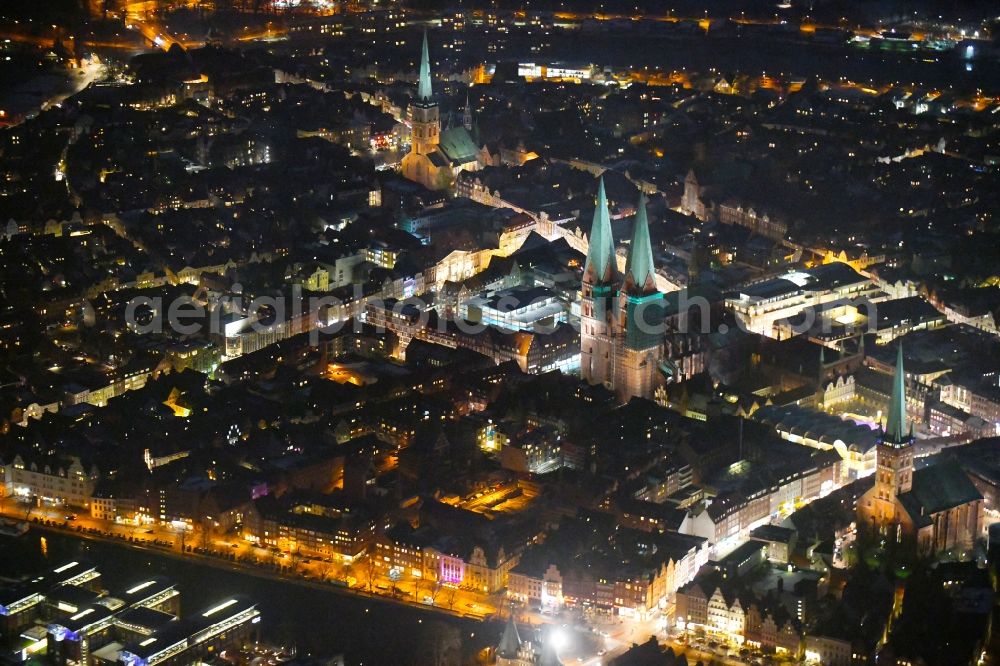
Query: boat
column 13, row 528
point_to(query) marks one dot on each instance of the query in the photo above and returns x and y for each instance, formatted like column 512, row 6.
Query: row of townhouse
column 310, row 530
column 633, row 593
column 727, row 519
column 947, row 405
column 737, row 620
column 748, row 623
column 732, row 212
column 455, row 560
column 639, row 587
column 976, row 396
column 49, row 227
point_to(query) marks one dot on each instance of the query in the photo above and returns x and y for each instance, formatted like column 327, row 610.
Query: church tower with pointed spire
column 894, row 456
column 436, row 156
column 938, row 505
column 639, row 317
column 513, row 651
column 894, row 453
column 597, row 292
column 425, row 128
column 467, row 113
column 424, row 114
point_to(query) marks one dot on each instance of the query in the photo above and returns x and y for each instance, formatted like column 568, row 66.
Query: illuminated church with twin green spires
column 621, row 316
column 937, row 505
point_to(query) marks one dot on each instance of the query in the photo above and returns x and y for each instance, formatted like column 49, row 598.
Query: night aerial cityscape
column 499, row 332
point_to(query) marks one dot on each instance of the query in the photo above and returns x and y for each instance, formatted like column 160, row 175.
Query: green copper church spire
column 895, row 422
column 640, row 278
column 424, row 91
column 601, row 252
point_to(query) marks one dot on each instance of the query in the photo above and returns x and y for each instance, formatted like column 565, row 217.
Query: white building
column 759, row 306
column 522, row 309
column 828, row 651
column 51, row 480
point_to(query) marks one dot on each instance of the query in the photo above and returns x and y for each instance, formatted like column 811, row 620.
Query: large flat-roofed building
column 518, row 309
column 154, row 593
column 534, row 351
column 69, row 599
column 839, row 319
column 344, row 533
column 66, row 615
column 197, row 638
column 82, row 619
column 855, row 443
column 137, row 624
column 69, row 637
column 760, row 305
column 21, row 604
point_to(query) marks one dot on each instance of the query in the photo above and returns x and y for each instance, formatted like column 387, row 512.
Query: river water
column 319, row 622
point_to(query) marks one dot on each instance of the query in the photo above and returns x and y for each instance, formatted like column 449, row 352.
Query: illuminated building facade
column 430, row 555
column 660, row 564
column 740, row 621
column 760, row 306
column 730, row 517
column 49, row 480
column 311, row 530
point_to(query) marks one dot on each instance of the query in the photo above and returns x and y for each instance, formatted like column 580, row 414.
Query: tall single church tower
column 894, row 453
column 436, row 156
column 425, row 129
column 424, row 114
